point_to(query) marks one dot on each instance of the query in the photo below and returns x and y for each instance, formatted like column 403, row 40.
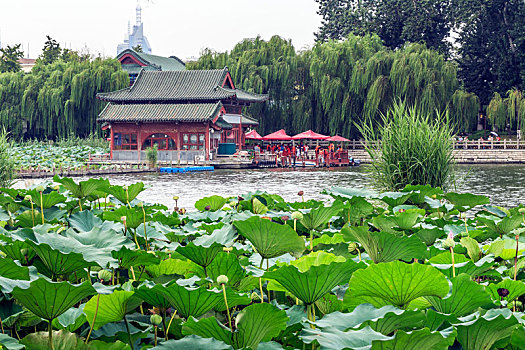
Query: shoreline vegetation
column 418, row 266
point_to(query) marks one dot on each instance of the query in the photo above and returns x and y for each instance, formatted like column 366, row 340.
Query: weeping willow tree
column 507, row 112
column 337, row 84
column 58, row 99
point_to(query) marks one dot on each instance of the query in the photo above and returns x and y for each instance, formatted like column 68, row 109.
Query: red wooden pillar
column 139, row 143
column 207, row 141
column 111, row 143
column 240, row 133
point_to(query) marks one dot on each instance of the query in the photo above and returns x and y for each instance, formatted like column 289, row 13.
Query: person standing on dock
column 294, row 155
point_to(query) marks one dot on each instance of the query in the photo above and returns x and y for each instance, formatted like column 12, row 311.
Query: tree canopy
column 9, row 58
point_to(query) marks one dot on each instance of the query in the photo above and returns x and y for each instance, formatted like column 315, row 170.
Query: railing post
column 505, row 144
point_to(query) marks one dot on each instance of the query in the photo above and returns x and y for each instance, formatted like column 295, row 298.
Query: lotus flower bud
column 175, row 198
column 297, row 215
column 285, row 218
column 207, row 208
column 521, row 211
column 434, row 196
column 448, row 243
column 462, row 216
column 239, row 198
column 104, row 275
column 401, row 210
column 222, row 279
column 155, row 319
column 352, row 247
column 232, row 204
column 503, row 292
column 24, row 251
column 300, row 193
column 28, row 198
column 56, row 187
column 140, row 204
column 39, row 188
column 123, row 219
column 125, row 188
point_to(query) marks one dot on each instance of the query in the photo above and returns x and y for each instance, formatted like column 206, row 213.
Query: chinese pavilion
column 133, row 62
column 186, row 113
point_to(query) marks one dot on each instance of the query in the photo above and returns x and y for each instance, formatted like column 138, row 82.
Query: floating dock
column 186, row 169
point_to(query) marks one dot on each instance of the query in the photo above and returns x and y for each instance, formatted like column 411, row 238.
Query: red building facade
column 186, row 114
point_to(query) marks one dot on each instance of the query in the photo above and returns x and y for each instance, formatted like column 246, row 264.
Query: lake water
column 504, row 184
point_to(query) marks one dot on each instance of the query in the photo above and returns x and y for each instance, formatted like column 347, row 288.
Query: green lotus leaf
column 172, row 267
column 329, row 303
column 202, row 256
column 146, row 292
column 84, row 188
column 446, row 258
column 406, row 220
column 10, row 269
column 62, row 340
column 420, row 192
column 254, row 324
column 394, row 283
column 71, row 320
column 466, row 297
column 101, row 345
column 9, row 343
column 111, row 308
column 517, row 338
column 482, row 331
column 224, row 236
column 498, row 211
column 270, row 239
column 329, row 240
column 392, row 322
column 189, row 301
column 49, row 200
column 128, row 258
column 343, row 194
column 429, row 235
column 501, row 226
column 332, row 338
column 134, row 216
column 226, row 264
column 193, row 342
column 234, row 299
column 393, row 199
column 470, row 268
column 320, row 216
column 13, row 250
column 314, row 276
column 85, row 221
column 125, row 197
column 473, row 249
column 505, row 248
column 384, row 247
column 421, row 338
column 258, row 207
column 515, row 288
column 357, row 209
column 49, row 300
column 465, row 201
column 215, row 203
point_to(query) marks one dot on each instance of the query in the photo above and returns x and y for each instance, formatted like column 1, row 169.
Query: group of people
column 462, row 141
column 289, row 154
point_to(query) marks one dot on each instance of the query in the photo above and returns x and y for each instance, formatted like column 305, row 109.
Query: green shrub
column 414, row 149
column 152, row 156
column 7, row 163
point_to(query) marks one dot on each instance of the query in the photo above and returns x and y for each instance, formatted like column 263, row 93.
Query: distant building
column 136, row 36
column 27, row 64
column 133, row 62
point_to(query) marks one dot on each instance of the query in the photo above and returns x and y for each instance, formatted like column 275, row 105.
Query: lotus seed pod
column 503, row 292
column 56, row 188
column 352, row 247
column 175, row 198
column 521, row 211
column 448, row 243
column 300, row 193
column 125, row 188
column 207, row 208
column 227, row 249
column 182, row 211
column 24, row 251
column 297, row 215
column 285, row 218
column 232, row 204
column 222, row 279
column 155, row 319
column 96, row 268
column 462, row 216
column 40, row 188
column 140, row 204
column 104, row 275
column 28, row 198
column 434, row 196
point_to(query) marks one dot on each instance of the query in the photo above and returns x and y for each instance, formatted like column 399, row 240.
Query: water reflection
column 501, row 183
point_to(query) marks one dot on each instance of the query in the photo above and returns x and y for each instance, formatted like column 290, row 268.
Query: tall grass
column 7, row 163
column 414, row 149
column 92, row 140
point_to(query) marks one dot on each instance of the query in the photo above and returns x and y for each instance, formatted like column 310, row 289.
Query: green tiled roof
column 223, row 124
column 187, row 85
column 171, row 63
column 148, row 113
column 236, row 119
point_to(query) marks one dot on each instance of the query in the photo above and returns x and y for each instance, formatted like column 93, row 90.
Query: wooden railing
column 470, row 144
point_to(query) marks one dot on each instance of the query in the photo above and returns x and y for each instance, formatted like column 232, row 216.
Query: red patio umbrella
column 337, row 139
column 278, row 136
column 310, row 135
column 253, row 135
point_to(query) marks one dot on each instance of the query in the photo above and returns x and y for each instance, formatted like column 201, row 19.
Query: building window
column 193, row 141
column 163, row 142
column 124, row 141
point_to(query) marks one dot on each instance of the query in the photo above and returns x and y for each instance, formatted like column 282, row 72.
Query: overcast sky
column 173, row 27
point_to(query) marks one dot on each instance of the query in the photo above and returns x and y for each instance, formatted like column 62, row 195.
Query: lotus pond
column 88, row 266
